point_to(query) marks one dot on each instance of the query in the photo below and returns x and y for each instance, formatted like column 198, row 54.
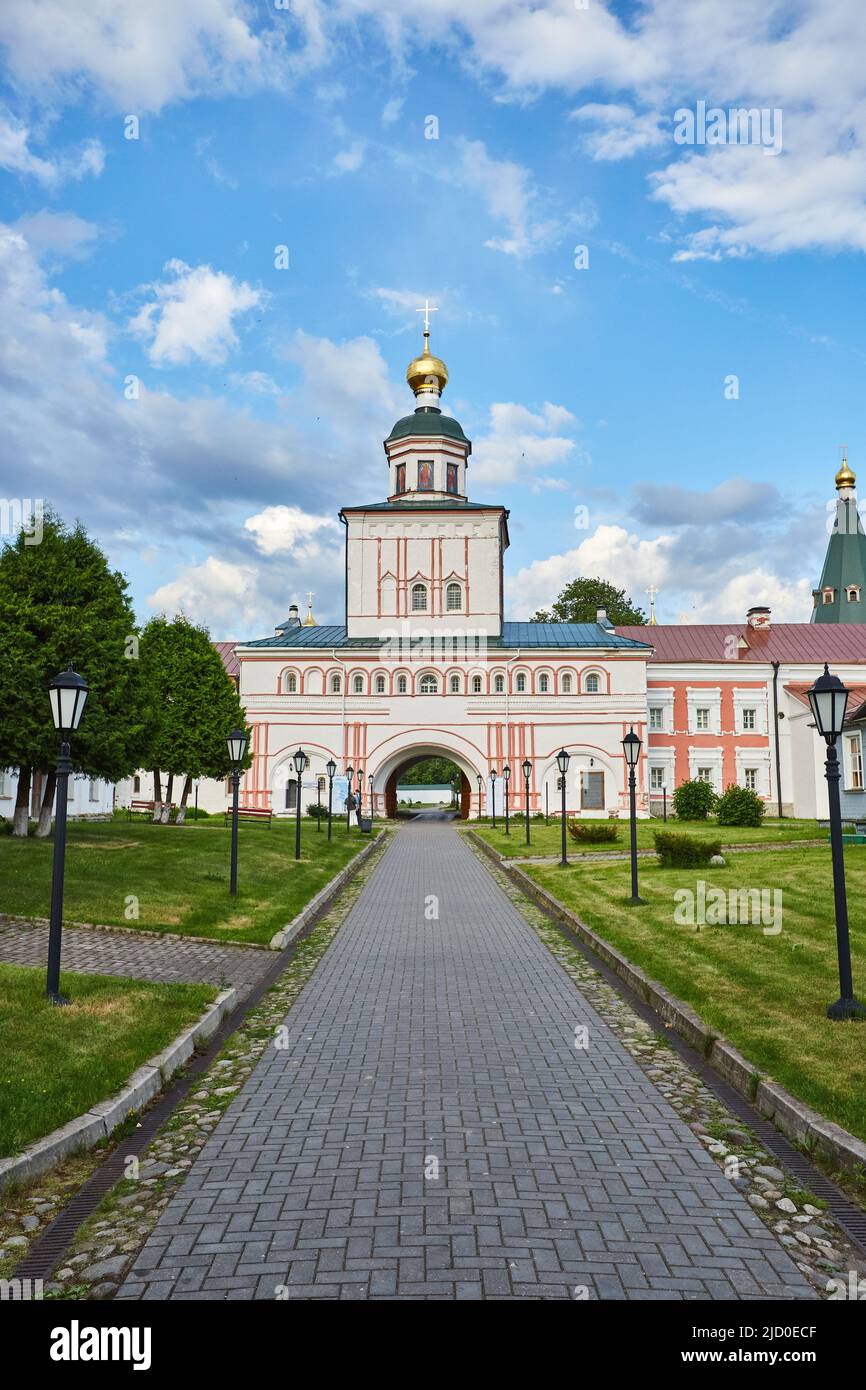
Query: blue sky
column 144, row 268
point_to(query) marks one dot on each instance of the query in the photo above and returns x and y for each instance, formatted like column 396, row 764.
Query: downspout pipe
column 775, row 666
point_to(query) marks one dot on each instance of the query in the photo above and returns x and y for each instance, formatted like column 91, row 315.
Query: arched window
column 498, row 684
column 544, row 683
column 401, row 685
column 429, row 685
column 358, row 685
column 566, row 684
column 291, row 683
column 419, row 598
column 380, row 685
column 521, row 683
column 590, row 685
column 453, row 598
column 336, row 685
column 476, row 685
column 455, row 685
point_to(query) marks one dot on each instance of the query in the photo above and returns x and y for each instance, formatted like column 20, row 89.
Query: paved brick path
column 139, row 957
column 452, row 1040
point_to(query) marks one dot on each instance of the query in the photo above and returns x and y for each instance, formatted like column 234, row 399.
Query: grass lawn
column 547, row 839
column 178, row 874
column 56, row 1063
column 766, row 994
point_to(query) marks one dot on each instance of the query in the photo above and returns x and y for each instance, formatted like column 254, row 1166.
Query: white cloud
column 519, row 441
column 17, row 157
column 790, row 601
column 348, row 161
column 345, row 384
column 193, row 314
column 221, row 595
column 510, row 196
column 64, row 234
column 618, row 131
column 391, row 110
column 139, row 58
column 282, row 529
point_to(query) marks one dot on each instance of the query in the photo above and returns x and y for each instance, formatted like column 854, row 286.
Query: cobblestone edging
column 822, row 1251
column 325, row 896
column 796, row 1120
column 137, row 933
column 100, row 1121
column 583, row 856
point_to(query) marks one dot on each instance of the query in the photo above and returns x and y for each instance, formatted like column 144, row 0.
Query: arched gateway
column 387, row 775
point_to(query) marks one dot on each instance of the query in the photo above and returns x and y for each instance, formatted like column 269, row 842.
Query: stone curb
column 583, row 856
column 316, row 906
column 102, row 1119
column 797, row 1121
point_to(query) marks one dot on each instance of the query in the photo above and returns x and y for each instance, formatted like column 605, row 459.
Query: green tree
column 60, row 603
column 198, row 706
column 431, row 770
column 582, row 598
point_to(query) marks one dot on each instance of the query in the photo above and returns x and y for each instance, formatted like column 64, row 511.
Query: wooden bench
column 250, row 813
column 144, row 808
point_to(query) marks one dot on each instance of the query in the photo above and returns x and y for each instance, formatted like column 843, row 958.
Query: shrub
column 739, row 806
column 694, row 800
column 678, row 851
column 593, row 834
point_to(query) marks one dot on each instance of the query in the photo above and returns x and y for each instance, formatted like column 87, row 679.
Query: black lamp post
column 237, row 742
column 360, row 805
column 350, row 772
column 562, row 761
column 506, row 777
column 493, row 775
column 318, row 803
column 67, row 694
column 330, row 768
column 527, row 773
column 299, row 762
column 480, row 784
column 829, row 698
column 631, row 748
column 370, row 783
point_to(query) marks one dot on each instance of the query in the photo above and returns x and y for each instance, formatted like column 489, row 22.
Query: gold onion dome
column 427, row 372
column 845, row 478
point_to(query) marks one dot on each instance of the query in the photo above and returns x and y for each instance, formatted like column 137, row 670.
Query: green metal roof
column 567, row 636
column 845, row 565
column 428, row 419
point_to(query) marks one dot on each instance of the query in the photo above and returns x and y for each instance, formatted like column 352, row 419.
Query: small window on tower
column 828, row 595
column 853, row 593
column 453, row 598
column 401, row 477
column 452, row 477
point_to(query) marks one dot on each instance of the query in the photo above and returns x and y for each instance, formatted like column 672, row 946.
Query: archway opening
column 427, row 780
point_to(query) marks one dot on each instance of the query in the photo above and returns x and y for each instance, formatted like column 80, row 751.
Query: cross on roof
column 427, row 311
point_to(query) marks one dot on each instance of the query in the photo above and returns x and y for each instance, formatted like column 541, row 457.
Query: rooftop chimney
column 602, row 619
column 293, row 620
column 759, row 618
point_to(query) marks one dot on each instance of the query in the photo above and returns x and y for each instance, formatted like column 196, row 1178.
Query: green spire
column 841, row 595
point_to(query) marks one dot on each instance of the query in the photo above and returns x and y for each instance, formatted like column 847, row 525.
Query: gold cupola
column 427, row 373
column 845, row 478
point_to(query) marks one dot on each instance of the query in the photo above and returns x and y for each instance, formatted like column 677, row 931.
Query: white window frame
column 477, row 685
column 358, row 685
column 454, row 685
column 336, row 683
column 381, row 685
column 428, row 679
column 543, row 683
column 566, row 683
column 656, row 778
column 452, row 589
column 854, row 762
column 592, row 676
column 708, row 698
column 656, row 721
column 417, row 591
column 499, row 684
column 402, row 685
column 520, row 683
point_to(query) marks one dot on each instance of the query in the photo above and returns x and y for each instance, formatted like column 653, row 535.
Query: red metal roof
column 228, row 658
column 785, row 642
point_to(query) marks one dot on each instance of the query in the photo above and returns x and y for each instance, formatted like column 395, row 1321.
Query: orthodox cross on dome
column 427, row 311
column 652, row 591
column 310, row 621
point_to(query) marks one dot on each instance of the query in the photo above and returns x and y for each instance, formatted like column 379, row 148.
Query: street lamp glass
column 331, row 768
column 527, row 769
column 493, row 774
column 350, row 772
column 506, row 773
column 829, row 698
column 562, row 761
column 67, row 694
column 631, row 746
column 237, row 745
column 299, row 761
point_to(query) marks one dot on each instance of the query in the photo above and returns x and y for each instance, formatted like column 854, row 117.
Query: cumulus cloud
column 349, row 161
column 219, row 594
column 63, row 235
column 282, row 529
column 17, row 157
column 192, row 314
column 618, row 132
column 511, row 197
column 735, row 499
column 520, row 441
